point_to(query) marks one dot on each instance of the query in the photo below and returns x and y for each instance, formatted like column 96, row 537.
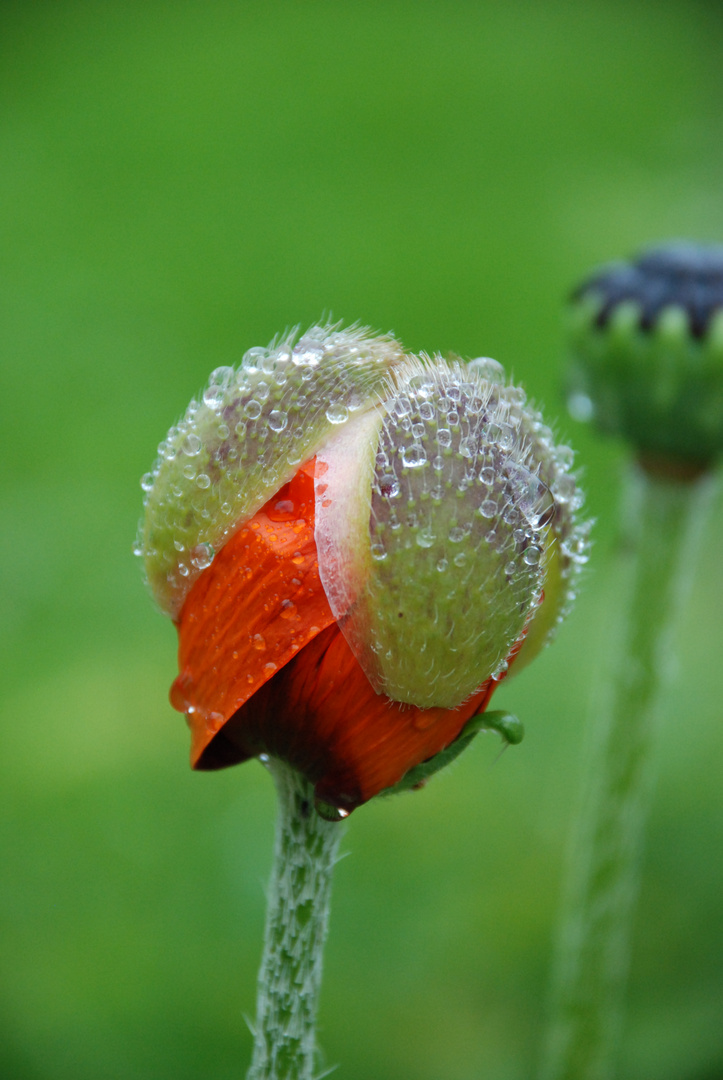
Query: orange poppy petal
column 258, row 603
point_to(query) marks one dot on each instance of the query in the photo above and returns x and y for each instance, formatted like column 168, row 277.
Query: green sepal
column 505, row 724
column 247, row 437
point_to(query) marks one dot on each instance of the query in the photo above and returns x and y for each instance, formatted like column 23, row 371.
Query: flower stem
column 296, row 925
column 598, row 906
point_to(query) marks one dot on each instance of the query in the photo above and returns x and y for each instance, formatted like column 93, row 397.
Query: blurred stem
column 296, row 924
column 598, row 906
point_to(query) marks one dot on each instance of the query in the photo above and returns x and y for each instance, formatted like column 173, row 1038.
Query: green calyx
column 245, row 439
column 645, row 342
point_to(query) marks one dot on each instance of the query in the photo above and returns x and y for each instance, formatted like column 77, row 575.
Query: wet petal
column 250, row 612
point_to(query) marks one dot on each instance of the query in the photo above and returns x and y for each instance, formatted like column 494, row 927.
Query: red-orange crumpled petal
column 249, row 613
column 265, row 669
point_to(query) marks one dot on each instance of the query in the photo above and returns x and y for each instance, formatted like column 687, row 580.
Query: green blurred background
column 178, row 182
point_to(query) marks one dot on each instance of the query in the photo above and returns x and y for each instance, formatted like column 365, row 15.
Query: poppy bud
column 377, row 573
column 646, row 344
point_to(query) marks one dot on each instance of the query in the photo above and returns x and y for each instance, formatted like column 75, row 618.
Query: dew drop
column 288, row 609
column 487, row 368
column 389, row 487
column 532, row 556
column 444, row 437
column 252, row 409
column 253, row 359
column 214, row 721
column 259, row 642
column 425, row 538
column 424, row 720
column 502, row 435
column 277, row 420
column 221, row 376
column 565, row 457
column 180, row 688
column 499, row 671
column 213, row 396
column 515, row 395
column 337, row 413
column 191, row 445
column 203, row 480
column 564, row 487
column 147, row 481
column 307, row 353
column 413, row 457
column 378, row 552
column 202, row 556
column 488, row 509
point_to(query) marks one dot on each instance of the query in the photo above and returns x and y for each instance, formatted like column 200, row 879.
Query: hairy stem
column 594, row 945
column 296, row 924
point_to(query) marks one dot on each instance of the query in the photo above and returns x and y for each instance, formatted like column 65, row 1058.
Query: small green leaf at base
column 508, row 726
